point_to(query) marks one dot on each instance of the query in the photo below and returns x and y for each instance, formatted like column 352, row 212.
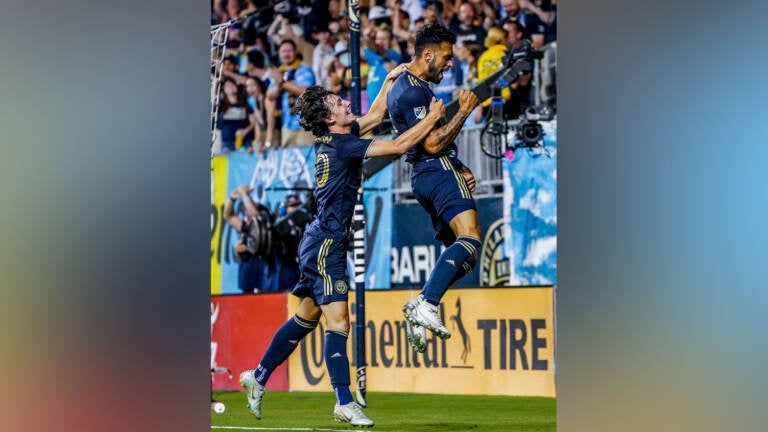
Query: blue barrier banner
column 415, row 250
column 377, row 199
column 530, row 213
column 279, row 172
column 272, row 175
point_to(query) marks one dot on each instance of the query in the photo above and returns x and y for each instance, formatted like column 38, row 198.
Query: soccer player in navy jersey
column 324, row 281
column 441, row 183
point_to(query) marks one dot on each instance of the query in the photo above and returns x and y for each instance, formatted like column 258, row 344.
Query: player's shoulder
column 338, row 141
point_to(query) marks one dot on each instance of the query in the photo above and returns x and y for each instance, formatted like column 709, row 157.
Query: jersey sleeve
column 354, row 148
column 413, row 106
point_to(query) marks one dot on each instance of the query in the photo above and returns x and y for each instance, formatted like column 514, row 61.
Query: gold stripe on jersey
column 321, row 256
column 459, row 179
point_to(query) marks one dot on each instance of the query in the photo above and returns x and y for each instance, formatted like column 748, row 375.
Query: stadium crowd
column 278, row 49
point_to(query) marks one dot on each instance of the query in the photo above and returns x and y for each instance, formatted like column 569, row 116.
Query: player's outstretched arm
column 442, row 137
column 379, row 106
column 412, row 136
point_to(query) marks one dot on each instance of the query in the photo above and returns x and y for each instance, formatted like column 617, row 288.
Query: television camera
column 526, row 129
column 280, row 234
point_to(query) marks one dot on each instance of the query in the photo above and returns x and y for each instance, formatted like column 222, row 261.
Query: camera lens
column 531, row 133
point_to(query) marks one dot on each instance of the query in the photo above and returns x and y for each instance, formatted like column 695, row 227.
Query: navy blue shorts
column 443, row 192
column 323, row 263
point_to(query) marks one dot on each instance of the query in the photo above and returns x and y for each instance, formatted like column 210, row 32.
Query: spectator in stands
column 540, row 22
column 401, row 23
column 323, row 52
column 465, row 28
column 492, row 58
column 486, row 11
column 433, row 12
column 255, row 90
column 468, row 54
column 289, row 81
column 235, row 121
column 381, row 59
column 251, row 6
column 252, row 271
column 514, row 33
column 229, row 65
column 337, row 73
column 283, row 29
column 516, row 96
column 334, row 9
column 412, row 8
column 257, row 66
column 233, row 8
column 533, row 24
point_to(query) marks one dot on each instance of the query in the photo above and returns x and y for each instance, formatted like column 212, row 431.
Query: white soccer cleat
column 351, row 413
column 416, row 334
column 425, row 314
column 253, row 390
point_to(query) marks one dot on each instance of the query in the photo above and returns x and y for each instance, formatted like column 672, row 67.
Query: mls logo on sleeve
column 420, row 112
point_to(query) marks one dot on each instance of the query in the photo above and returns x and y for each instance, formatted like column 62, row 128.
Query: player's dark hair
column 432, row 34
column 313, row 111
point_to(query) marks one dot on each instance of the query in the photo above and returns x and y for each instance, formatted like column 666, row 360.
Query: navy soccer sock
column 338, row 364
column 285, row 340
column 448, row 266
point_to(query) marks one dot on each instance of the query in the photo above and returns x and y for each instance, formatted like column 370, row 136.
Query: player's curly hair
column 313, row 111
column 432, row 34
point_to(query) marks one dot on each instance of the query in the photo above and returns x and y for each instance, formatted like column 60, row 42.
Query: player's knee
column 338, row 324
column 336, row 316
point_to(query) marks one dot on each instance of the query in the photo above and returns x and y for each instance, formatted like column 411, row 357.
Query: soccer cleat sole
column 341, row 420
column 408, row 312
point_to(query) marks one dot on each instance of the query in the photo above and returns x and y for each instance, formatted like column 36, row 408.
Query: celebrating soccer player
column 324, row 281
column 441, row 183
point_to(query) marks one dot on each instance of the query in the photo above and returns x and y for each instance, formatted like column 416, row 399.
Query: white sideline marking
column 285, row 429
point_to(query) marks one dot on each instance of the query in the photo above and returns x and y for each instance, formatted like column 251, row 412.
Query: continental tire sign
column 502, row 343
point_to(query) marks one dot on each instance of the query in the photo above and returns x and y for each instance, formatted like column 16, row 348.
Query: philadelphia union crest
column 340, row 286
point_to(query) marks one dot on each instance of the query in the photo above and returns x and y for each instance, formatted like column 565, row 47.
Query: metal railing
column 487, row 170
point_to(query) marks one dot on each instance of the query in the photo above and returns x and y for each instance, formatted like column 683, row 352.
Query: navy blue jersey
column 408, row 102
column 338, row 174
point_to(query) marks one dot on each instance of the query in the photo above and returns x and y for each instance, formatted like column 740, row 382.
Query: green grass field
column 392, row 412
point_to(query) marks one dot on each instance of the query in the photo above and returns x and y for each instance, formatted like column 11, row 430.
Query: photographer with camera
column 291, row 221
column 252, row 274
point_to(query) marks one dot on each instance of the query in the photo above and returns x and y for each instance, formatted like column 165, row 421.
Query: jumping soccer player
column 324, row 281
column 441, row 183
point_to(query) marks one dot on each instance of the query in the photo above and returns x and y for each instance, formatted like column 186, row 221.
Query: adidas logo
column 293, row 341
column 451, row 262
column 336, row 355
